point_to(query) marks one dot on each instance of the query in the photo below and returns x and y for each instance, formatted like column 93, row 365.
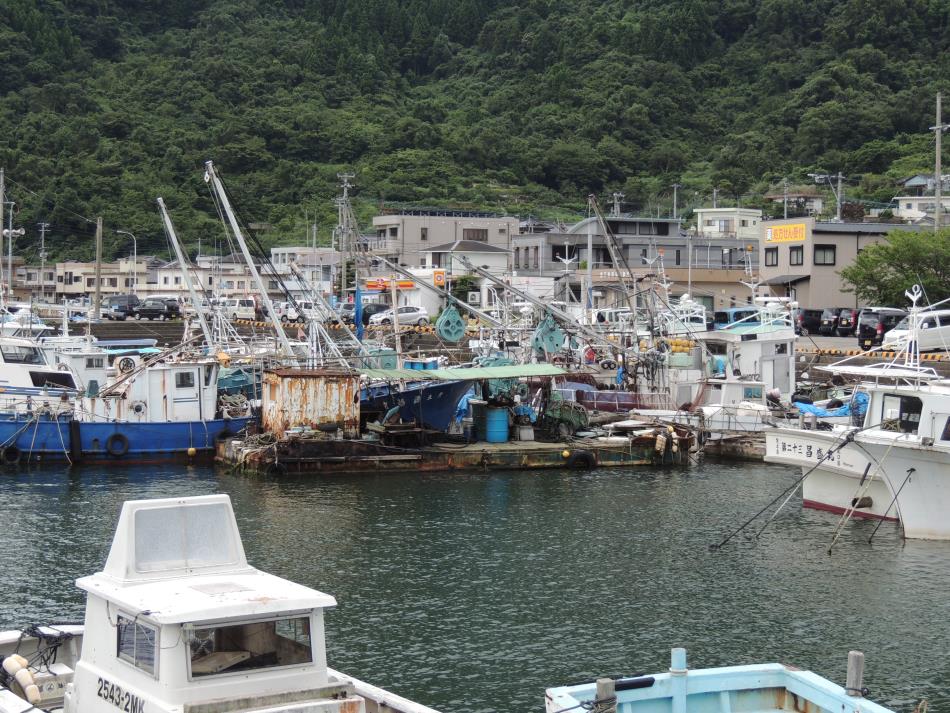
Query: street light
column 135, row 257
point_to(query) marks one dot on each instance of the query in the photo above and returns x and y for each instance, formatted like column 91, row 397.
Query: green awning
column 465, row 374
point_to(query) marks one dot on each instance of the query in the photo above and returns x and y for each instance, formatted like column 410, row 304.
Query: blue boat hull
column 431, row 403
column 52, row 439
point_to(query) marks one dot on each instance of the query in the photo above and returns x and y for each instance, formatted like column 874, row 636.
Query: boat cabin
column 24, row 370
column 179, row 621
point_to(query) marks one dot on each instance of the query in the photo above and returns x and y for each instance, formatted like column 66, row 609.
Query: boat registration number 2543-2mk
column 123, row 700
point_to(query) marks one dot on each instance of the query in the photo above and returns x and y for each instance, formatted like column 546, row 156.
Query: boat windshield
column 249, row 646
column 21, row 354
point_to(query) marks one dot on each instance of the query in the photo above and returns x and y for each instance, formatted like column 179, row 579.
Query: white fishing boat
column 896, row 462
column 179, row 622
column 765, row 688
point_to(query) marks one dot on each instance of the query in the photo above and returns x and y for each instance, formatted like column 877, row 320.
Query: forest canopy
column 521, row 107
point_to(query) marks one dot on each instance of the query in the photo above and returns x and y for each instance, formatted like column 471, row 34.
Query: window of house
column 423, row 234
column 77, row 278
column 824, row 254
column 165, row 280
column 394, row 231
column 502, row 231
column 272, row 284
column 745, row 223
column 59, row 278
column 325, row 273
column 90, row 282
column 241, row 284
column 113, row 282
column 184, row 379
column 136, row 643
column 178, row 280
column 771, row 257
column 479, row 234
column 537, row 257
column 517, row 258
column 796, row 255
column 678, row 257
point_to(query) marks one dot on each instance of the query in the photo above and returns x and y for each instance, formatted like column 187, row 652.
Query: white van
column 934, row 332
column 238, row 308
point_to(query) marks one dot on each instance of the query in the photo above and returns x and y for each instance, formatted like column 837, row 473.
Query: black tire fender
column 582, row 459
column 117, row 444
column 11, row 455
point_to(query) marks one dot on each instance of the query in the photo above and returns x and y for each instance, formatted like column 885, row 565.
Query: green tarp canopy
column 465, row 374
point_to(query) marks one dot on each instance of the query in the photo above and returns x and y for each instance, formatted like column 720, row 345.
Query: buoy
column 24, row 678
column 660, row 442
column 192, row 451
column 565, row 454
column 32, row 693
column 11, row 665
column 20, row 659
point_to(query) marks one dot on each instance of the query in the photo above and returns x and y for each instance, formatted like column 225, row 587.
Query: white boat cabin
column 24, row 369
column 185, row 390
column 179, row 621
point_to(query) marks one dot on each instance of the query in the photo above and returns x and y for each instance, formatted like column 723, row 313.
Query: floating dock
column 338, row 456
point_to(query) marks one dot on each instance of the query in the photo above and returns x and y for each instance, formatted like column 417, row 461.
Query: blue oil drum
column 496, row 425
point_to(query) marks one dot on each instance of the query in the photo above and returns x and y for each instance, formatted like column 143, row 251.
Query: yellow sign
column 438, row 278
column 381, row 283
column 789, row 233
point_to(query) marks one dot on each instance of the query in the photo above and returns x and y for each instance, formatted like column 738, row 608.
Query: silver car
column 406, row 315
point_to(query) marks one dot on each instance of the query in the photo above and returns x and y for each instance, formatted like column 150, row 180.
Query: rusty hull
column 310, row 398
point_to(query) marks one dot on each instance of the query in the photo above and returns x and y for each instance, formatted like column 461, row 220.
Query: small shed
column 311, row 398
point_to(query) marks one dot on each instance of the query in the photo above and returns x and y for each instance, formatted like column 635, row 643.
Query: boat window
column 52, row 379
column 945, row 436
column 250, row 646
column 901, row 413
column 209, row 373
column 136, row 643
column 184, row 379
column 17, row 354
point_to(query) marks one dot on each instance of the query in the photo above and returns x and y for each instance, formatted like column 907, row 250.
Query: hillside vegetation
column 502, row 105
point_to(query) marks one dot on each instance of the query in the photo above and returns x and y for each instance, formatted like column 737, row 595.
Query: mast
column 218, row 188
column 173, row 238
column 97, row 303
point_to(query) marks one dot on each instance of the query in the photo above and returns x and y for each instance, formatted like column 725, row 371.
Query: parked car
column 725, row 317
column 119, row 307
column 238, row 308
column 348, row 309
column 875, row 322
column 933, row 332
column 806, row 321
column 157, row 308
column 847, row 321
column 829, row 320
column 405, row 315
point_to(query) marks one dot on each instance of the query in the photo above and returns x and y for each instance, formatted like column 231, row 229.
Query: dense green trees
column 518, row 106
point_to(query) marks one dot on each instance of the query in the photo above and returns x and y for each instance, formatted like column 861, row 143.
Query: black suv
column 806, row 321
column 119, row 307
column 829, row 320
column 154, row 308
column 874, row 322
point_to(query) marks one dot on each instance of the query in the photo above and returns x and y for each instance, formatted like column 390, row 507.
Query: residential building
column 920, row 209
column 802, row 258
column 711, row 267
column 492, row 258
column 740, row 223
column 800, row 202
column 407, row 235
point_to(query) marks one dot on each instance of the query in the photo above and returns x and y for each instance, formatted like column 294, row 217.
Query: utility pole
column 3, row 199
column 96, row 306
column 715, row 197
column 43, row 227
column 839, row 196
column 676, row 187
column 785, row 198
column 939, row 128
column 617, row 198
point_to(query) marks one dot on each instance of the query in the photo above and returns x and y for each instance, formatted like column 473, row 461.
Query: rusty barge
column 312, row 423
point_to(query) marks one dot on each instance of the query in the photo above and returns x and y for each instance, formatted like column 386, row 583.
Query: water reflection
column 473, row 592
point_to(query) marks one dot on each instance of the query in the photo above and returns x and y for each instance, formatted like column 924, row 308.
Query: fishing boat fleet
column 538, row 384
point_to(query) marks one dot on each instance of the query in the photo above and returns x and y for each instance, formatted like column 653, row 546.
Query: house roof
column 466, row 246
column 867, row 228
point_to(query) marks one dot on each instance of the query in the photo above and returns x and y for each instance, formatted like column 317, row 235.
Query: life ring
column 126, row 364
column 11, row 455
column 582, row 459
column 117, row 444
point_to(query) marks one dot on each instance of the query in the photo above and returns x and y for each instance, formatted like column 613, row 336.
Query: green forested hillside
column 524, row 106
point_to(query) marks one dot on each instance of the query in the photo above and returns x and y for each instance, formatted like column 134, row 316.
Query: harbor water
column 473, row 592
